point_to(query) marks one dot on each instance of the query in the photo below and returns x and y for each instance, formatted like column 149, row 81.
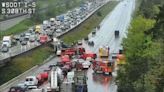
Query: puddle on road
column 100, row 82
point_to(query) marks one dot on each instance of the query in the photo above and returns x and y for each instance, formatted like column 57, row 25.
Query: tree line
column 144, row 50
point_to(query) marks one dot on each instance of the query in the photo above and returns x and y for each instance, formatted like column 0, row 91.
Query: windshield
column 5, row 40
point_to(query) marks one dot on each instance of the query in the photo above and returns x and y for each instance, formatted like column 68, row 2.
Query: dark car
column 17, row 37
column 116, row 33
column 23, row 42
column 93, row 32
column 90, row 43
column 18, row 89
column 22, row 35
column 86, row 38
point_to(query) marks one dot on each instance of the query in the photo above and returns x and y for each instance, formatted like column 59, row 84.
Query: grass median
column 24, row 62
column 85, row 28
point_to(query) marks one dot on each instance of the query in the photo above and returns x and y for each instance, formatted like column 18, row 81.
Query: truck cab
column 107, row 67
column 52, row 21
column 31, row 81
column 88, row 54
column 103, row 66
column 68, row 51
column 65, row 60
column 7, row 41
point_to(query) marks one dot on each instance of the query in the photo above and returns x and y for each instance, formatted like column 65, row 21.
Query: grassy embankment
column 22, row 63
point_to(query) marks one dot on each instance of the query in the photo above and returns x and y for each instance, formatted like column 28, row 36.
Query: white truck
column 70, row 77
column 7, row 41
column 52, row 21
column 54, row 79
column 57, row 46
column 31, row 81
column 46, row 24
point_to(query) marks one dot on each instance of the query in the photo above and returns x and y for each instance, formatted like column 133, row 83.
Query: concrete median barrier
column 14, row 81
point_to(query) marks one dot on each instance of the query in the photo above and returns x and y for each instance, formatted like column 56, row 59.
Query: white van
column 45, row 24
column 6, row 41
column 52, row 20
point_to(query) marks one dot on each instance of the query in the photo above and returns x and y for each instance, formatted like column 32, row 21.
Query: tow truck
column 107, row 67
column 68, row 51
column 88, row 54
column 64, row 59
column 103, row 67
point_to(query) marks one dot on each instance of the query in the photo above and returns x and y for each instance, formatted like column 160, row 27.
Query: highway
column 118, row 19
column 18, row 49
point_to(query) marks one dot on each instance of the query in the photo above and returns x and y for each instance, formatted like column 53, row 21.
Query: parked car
column 27, row 36
column 30, row 30
column 32, row 38
column 58, row 31
column 23, row 41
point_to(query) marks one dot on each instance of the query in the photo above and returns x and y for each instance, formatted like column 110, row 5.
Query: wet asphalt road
column 118, row 19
